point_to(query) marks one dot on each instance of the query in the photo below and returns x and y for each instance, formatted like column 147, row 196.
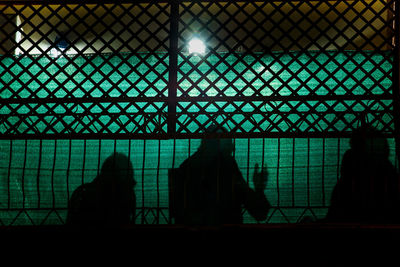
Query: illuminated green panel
column 331, row 74
column 27, row 182
column 147, row 75
column 320, row 74
column 292, row 185
column 281, row 74
column 89, row 76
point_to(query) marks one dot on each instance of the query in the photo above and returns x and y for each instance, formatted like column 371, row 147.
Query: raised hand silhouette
column 260, row 178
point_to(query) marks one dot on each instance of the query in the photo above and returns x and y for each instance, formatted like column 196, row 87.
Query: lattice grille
column 286, row 66
column 290, row 25
column 275, row 69
column 114, row 53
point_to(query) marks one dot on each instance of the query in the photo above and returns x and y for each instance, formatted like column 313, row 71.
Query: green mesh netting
column 39, row 176
column 304, row 175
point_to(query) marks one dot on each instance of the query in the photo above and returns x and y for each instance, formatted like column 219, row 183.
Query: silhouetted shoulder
column 368, row 188
column 109, row 200
column 82, row 205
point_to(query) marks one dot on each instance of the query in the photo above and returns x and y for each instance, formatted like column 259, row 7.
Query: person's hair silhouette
column 368, row 189
column 214, row 190
column 109, row 200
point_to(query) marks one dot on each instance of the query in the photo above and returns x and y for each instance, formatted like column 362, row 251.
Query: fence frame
column 173, row 99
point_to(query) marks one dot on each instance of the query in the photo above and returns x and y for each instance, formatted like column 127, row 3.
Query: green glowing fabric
column 40, row 176
column 100, row 79
column 147, row 75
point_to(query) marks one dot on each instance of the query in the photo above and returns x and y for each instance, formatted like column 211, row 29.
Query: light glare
column 196, row 46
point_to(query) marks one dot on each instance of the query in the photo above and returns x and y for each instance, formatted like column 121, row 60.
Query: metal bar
column 248, row 161
column 9, row 176
column 83, row 162
column 153, row 117
column 161, row 208
column 38, row 172
column 278, row 196
column 250, row 98
column 308, row 173
column 173, row 67
column 158, row 181
column 68, row 167
column 99, row 158
column 396, row 78
column 263, row 157
column 323, row 171
column 196, row 135
column 61, row 2
column 293, row 171
column 338, row 161
column 234, row 147
column 189, row 147
column 143, row 169
column 52, row 175
column 174, row 154
column 23, row 174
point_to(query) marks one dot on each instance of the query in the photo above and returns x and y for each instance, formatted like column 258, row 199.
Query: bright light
column 196, row 46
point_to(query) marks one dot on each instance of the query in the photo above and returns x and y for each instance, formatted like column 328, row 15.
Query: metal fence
column 289, row 79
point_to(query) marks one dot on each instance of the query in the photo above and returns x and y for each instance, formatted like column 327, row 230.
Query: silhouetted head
column 368, row 140
column 117, row 169
column 223, row 145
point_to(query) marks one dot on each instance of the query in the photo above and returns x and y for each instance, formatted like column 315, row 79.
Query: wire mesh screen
column 289, row 79
column 312, row 66
column 39, row 176
column 85, row 69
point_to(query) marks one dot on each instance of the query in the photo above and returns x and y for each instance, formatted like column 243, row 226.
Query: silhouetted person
column 214, row 189
column 109, row 200
column 368, row 189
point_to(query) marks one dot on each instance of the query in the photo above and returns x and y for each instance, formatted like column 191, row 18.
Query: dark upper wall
column 238, row 34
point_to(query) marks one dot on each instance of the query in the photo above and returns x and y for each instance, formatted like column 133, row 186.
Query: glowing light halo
column 197, row 46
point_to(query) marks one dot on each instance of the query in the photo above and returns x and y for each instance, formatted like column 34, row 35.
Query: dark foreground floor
column 260, row 245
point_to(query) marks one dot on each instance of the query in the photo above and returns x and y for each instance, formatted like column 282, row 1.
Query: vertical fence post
column 396, row 78
column 173, row 66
